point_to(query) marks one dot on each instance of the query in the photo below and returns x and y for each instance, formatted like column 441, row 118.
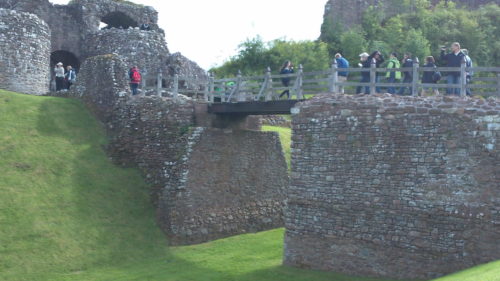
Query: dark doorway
column 117, row 20
column 67, row 58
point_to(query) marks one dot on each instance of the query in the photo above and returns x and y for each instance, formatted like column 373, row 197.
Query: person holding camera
column 453, row 59
column 286, row 69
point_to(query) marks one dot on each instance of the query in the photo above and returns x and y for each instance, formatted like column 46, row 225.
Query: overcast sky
column 209, row 31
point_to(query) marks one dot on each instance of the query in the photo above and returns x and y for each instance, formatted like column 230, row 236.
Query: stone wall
column 25, row 53
column 396, row 187
column 206, row 183
column 233, row 183
column 148, row 50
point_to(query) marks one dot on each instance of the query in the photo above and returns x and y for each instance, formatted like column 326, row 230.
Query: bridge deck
column 253, row 107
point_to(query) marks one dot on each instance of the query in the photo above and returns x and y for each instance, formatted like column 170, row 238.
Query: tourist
column 378, row 58
column 342, row 77
column 70, row 76
column 59, row 73
column 285, row 70
column 469, row 73
column 453, row 59
column 135, row 80
column 430, row 77
column 393, row 76
column 407, row 74
column 365, row 75
column 146, row 26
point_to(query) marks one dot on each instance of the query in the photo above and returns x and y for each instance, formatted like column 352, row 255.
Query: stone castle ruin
column 388, row 186
column 74, row 32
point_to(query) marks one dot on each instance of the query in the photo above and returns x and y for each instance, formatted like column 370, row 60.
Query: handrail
column 263, row 87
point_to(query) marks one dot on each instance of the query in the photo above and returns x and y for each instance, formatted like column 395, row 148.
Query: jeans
column 468, row 80
column 402, row 90
column 359, row 89
column 453, row 80
column 391, row 90
column 134, row 87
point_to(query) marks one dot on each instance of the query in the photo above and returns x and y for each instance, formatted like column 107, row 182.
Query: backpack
column 436, row 76
column 135, row 76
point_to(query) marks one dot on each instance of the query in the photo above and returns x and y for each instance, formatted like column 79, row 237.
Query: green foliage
column 254, row 56
column 285, row 138
column 353, row 43
column 415, row 26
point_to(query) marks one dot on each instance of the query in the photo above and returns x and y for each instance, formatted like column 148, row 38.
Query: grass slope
column 67, row 213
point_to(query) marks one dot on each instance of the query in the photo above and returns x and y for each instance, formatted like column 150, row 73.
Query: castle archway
column 117, row 20
column 66, row 57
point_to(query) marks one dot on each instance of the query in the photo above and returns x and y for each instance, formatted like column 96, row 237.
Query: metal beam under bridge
column 253, row 107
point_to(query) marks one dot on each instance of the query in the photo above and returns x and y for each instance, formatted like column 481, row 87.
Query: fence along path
column 267, row 87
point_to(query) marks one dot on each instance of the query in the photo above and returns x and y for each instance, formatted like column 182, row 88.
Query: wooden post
column 373, row 76
column 143, row 82
column 159, row 80
column 498, row 84
column 300, row 77
column 268, row 85
column 414, row 80
column 334, row 77
column 206, row 90
column 239, row 94
column 176, row 86
column 463, row 78
column 211, row 87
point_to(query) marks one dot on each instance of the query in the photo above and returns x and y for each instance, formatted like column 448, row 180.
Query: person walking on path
column 365, row 75
column 135, row 80
column 430, row 77
column 286, row 69
column 70, row 76
column 393, row 75
column 453, row 59
column 407, row 75
column 59, row 73
column 342, row 63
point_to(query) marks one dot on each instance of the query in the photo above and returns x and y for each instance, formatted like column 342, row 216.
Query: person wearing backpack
column 430, row 77
column 392, row 76
column 135, row 79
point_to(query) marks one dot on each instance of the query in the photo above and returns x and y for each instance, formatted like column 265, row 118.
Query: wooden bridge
column 259, row 95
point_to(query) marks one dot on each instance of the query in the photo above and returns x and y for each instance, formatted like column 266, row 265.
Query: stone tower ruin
column 82, row 29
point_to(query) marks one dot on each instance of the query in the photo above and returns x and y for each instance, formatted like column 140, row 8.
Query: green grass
column 67, row 213
column 285, row 138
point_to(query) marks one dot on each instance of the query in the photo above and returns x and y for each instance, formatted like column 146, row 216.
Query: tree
column 353, row 43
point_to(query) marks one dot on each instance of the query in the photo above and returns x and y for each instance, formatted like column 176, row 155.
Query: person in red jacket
column 135, row 79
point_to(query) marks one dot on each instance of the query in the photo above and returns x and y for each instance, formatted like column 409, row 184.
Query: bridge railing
column 267, row 87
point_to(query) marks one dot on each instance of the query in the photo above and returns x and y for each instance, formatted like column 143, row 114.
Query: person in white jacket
column 59, row 73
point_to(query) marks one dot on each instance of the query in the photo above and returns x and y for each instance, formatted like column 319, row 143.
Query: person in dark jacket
column 365, row 75
column 453, row 59
column 379, row 59
column 286, row 69
column 407, row 75
column 430, row 77
column 342, row 63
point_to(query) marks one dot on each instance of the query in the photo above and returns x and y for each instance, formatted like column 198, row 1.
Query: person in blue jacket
column 342, row 63
column 453, row 59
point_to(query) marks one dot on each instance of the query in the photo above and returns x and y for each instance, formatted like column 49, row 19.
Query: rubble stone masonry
column 398, row 187
column 25, row 53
